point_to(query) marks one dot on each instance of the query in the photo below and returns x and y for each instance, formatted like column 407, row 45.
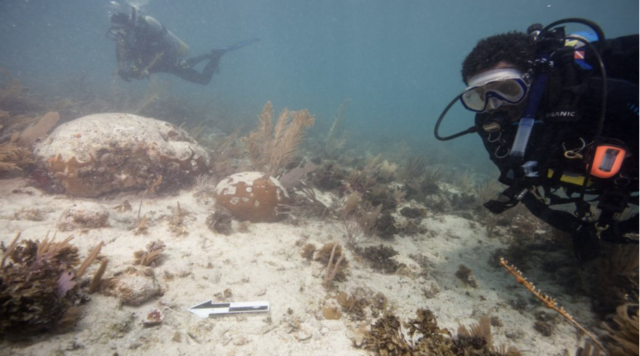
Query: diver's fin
column 218, row 52
column 239, row 44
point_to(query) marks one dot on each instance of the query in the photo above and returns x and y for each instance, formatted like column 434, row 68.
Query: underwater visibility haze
column 397, row 62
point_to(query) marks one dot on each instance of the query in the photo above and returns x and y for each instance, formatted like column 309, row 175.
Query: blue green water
column 397, row 61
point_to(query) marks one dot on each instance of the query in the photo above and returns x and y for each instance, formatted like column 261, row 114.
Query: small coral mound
column 133, row 286
column 252, row 196
column 83, row 215
column 104, row 153
column 465, row 274
column 220, row 222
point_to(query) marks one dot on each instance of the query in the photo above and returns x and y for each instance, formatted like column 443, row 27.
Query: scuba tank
column 181, row 48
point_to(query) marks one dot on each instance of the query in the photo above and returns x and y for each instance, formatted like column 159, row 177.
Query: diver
column 558, row 115
column 144, row 46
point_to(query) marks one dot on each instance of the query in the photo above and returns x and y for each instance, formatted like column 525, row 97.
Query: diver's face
column 495, row 106
column 513, row 112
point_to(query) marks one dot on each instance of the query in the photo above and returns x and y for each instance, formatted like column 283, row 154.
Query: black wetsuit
column 142, row 50
column 552, row 137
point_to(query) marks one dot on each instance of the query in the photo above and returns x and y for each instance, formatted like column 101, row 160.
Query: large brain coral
column 253, row 196
column 104, row 153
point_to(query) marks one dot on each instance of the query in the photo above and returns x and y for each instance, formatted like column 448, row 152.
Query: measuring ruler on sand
column 209, row 308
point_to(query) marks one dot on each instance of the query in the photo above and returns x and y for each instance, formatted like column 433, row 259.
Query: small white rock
column 302, row 335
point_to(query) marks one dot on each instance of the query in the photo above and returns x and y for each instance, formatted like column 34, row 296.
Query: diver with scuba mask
column 144, row 46
column 560, row 130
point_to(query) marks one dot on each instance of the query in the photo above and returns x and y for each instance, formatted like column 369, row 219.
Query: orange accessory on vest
column 607, row 161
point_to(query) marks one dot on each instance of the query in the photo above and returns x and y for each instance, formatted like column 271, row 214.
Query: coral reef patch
column 104, row 153
column 39, row 286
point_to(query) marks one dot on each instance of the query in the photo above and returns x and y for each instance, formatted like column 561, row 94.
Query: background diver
column 144, row 46
column 558, row 116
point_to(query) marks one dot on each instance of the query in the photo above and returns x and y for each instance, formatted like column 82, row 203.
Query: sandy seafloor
column 264, row 263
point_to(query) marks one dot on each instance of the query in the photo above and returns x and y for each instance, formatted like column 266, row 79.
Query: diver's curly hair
column 514, row 47
column 120, row 18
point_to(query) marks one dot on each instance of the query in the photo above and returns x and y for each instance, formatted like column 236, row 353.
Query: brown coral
column 150, row 256
column 387, row 337
column 272, row 148
column 465, row 274
column 624, row 332
column 333, row 266
column 307, row 251
column 380, row 258
column 16, row 153
column 40, row 129
column 332, row 256
column 38, row 286
column 424, row 337
column 252, row 196
column 13, row 157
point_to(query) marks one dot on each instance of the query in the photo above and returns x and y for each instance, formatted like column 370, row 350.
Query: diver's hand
column 505, row 200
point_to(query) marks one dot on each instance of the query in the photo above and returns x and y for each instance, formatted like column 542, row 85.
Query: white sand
column 265, row 264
